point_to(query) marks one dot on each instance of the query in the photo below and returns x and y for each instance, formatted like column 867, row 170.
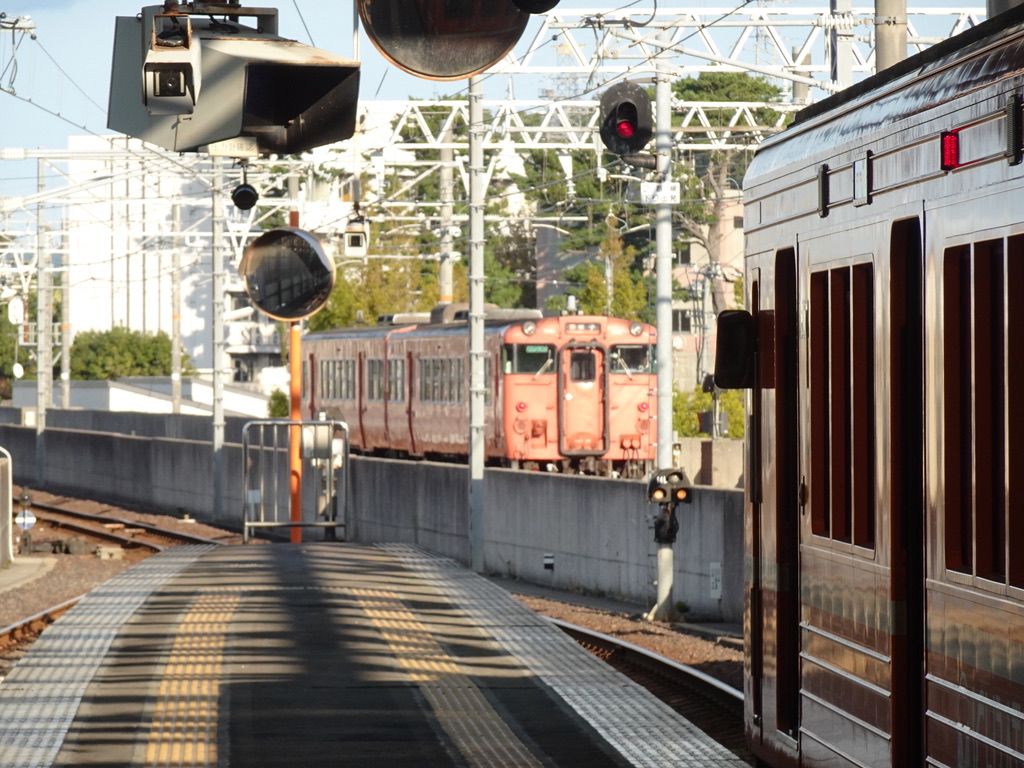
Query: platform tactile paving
column 40, row 696
column 644, row 730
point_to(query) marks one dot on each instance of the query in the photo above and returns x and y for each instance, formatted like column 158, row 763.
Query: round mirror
column 287, row 274
column 443, row 39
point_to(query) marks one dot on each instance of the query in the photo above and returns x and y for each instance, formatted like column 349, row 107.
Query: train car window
column 488, row 378
column 528, row 358
column 375, row 380
column 582, row 366
column 979, row 284
column 956, row 353
column 842, row 392
column 442, row 381
column 632, row 358
column 1015, row 405
column 325, row 372
column 346, row 379
column 435, row 380
column 396, row 381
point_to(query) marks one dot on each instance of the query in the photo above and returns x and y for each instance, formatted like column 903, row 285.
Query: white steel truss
column 787, row 42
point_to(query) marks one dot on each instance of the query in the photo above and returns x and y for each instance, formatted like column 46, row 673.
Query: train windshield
column 529, row 358
column 632, row 358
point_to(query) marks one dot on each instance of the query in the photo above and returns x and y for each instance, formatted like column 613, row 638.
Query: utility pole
column 890, row 33
column 176, row 310
column 44, row 332
column 664, row 608
column 477, row 355
column 446, row 267
column 217, row 308
column 65, row 326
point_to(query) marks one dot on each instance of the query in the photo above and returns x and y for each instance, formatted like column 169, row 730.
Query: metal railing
column 267, row 476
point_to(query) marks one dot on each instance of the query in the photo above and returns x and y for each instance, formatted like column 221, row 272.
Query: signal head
column 626, row 121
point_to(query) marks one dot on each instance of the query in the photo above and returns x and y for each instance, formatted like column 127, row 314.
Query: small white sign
column 655, row 193
column 716, row 579
column 242, row 146
column 25, row 519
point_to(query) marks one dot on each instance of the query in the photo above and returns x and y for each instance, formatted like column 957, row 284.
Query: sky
column 61, row 79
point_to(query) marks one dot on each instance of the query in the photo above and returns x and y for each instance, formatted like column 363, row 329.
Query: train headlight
column 635, row 329
column 529, row 327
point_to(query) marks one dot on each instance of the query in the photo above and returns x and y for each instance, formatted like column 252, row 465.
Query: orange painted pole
column 295, row 431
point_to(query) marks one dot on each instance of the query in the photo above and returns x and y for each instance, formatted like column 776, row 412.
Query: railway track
column 711, row 705
column 121, row 531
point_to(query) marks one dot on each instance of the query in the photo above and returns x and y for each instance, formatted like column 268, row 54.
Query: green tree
column 10, row 353
column 686, row 407
column 121, row 352
column 589, row 281
column 278, row 406
column 708, row 175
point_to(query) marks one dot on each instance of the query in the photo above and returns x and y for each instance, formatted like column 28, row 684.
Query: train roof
column 495, row 321
column 913, row 85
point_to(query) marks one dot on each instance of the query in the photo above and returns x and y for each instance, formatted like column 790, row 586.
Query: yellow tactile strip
column 184, row 727
column 477, row 731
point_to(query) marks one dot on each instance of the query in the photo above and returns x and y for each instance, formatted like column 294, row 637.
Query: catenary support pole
column 44, row 326
column 176, row 312
column 477, row 356
column 219, row 363
column 664, row 608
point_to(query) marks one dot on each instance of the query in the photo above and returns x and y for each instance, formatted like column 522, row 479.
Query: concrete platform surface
column 319, row 655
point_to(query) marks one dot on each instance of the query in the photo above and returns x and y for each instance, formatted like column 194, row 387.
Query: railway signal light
column 669, row 486
column 626, row 122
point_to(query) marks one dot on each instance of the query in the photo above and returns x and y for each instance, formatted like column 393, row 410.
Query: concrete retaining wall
column 598, row 532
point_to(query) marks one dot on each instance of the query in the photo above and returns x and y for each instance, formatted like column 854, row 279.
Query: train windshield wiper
column 544, row 368
column 622, row 364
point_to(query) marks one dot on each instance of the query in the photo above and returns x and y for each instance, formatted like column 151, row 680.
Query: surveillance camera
column 244, row 197
column 171, row 69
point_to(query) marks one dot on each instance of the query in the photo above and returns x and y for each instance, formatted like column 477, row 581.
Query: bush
column 279, row 406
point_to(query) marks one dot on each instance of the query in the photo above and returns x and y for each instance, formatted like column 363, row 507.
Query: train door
column 582, row 399
column 906, row 479
column 773, row 523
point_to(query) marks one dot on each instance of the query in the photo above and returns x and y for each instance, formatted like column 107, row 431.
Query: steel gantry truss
column 798, row 44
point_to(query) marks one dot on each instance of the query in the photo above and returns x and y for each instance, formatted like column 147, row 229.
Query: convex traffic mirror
column 287, row 274
column 443, row 39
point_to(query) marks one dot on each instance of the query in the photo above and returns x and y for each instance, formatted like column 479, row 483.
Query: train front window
column 632, row 358
column 529, row 358
column 583, row 366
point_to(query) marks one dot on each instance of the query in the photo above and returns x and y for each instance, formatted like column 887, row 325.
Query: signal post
column 626, row 130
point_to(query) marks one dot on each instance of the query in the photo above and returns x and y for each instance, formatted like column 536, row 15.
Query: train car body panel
column 569, row 394
column 884, row 604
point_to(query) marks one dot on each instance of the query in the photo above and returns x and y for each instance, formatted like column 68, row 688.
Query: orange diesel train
column 574, row 394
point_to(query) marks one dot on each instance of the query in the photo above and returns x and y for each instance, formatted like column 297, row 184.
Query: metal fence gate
column 267, row 472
